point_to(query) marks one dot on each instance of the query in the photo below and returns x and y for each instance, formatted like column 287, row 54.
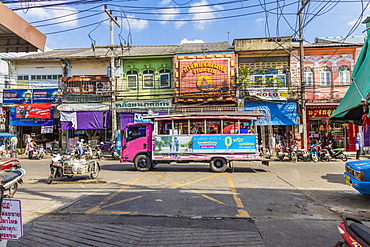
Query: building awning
column 353, row 105
column 17, row 35
column 83, row 107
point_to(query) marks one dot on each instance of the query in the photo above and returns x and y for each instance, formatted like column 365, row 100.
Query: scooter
column 354, row 233
column 98, row 151
column 12, row 176
column 313, row 152
column 281, row 152
column 337, row 153
column 114, row 152
column 39, row 152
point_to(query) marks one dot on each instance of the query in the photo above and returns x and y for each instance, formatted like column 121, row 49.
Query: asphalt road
column 285, row 204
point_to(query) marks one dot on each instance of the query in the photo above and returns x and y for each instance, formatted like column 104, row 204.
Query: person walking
column 30, row 146
column 358, row 141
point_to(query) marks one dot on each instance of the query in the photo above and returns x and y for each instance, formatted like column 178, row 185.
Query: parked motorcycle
column 293, row 153
column 114, row 152
column 354, row 233
column 98, row 151
column 337, row 153
column 39, row 152
column 323, row 154
column 281, row 152
column 61, row 166
column 12, row 176
column 264, row 152
column 87, row 151
column 313, row 152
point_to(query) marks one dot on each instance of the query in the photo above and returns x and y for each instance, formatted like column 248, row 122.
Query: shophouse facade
column 263, row 84
column 328, row 66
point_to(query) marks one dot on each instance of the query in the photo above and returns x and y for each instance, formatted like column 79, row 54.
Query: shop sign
column 46, row 129
column 33, row 111
column 86, row 98
column 204, row 78
column 2, row 118
column 11, row 227
column 14, row 121
column 32, row 96
column 322, row 113
column 143, row 104
column 269, row 94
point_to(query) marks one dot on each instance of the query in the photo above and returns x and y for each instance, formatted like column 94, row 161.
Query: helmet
column 82, row 140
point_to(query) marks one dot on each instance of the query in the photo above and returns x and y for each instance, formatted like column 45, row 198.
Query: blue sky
column 171, row 22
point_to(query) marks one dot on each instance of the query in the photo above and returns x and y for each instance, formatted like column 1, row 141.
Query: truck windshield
column 135, row 131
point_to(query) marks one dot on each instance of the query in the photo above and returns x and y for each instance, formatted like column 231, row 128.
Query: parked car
column 357, row 175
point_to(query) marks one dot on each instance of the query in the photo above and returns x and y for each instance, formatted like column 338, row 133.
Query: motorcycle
column 61, row 166
column 114, row 152
column 353, row 232
column 313, row 152
column 265, row 152
column 98, row 151
column 293, row 153
column 12, row 176
column 281, row 151
column 323, row 153
column 39, row 152
column 337, row 153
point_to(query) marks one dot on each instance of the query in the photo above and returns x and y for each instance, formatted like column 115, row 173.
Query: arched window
column 131, row 78
column 164, row 78
column 148, row 78
column 325, row 76
column 344, row 75
column 308, row 76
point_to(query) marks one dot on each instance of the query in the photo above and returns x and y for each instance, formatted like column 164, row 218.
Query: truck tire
column 142, row 163
column 218, row 165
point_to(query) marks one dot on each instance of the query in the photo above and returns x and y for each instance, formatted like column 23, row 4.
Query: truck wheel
column 142, row 163
column 218, row 165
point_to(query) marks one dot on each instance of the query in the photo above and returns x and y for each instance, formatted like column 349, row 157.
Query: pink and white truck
column 217, row 138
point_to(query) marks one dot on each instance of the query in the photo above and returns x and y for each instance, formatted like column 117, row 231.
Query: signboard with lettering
column 270, row 94
column 210, row 77
column 128, row 104
column 86, row 98
column 32, row 96
column 11, row 227
column 320, row 112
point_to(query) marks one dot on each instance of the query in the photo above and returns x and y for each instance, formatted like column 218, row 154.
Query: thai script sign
column 11, row 227
column 320, row 112
column 32, row 96
column 86, row 98
column 143, row 104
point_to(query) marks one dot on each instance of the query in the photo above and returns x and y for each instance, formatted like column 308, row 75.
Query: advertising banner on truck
column 205, row 144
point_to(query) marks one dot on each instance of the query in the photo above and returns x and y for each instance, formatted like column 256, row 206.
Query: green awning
column 353, row 105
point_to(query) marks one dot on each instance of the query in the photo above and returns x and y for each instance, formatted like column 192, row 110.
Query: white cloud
column 185, row 40
column 135, row 24
column 179, row 24
column 168, row 14
column 48, row 13
column 259, row 21
column 165, row 2
column 202, row 12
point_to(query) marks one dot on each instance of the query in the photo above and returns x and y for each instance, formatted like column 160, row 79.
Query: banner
column 30, row 121
column 32, row 96
column 2, row 118
column 33, row 111
column 269, row 94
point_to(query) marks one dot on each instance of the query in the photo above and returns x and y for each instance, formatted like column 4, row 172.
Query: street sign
column 11, row 227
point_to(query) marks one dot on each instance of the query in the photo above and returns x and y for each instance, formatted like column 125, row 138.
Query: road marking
column 239, row 203
column 191, row 182
column 107, row 199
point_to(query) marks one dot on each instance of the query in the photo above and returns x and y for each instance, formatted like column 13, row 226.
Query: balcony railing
column 85, row 85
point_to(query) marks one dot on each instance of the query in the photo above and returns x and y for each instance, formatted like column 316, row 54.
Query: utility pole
column 112, row 66
column 301, row 67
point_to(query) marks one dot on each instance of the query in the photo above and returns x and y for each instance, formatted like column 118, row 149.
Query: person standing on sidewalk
column 358, row 141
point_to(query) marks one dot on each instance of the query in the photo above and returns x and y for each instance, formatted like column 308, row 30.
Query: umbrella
column 232, row 128
column 6, row 135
